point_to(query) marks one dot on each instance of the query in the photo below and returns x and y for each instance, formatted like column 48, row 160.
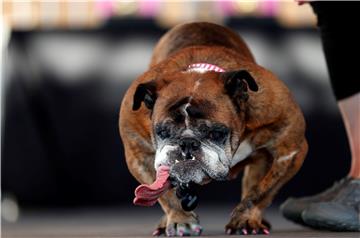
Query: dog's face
column 195, row 121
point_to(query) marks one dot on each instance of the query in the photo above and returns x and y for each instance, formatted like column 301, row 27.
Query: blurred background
column 67, row 64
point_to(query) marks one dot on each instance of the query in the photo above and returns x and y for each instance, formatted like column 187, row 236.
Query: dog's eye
column 204, row 130
column 162, row 132
column 218, row 135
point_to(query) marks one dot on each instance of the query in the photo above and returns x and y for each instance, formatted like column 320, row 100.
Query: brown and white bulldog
column 204, row 110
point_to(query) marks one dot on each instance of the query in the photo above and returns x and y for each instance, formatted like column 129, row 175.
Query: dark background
column 63, row 89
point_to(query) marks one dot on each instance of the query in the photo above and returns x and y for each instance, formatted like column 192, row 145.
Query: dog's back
column 199, row 34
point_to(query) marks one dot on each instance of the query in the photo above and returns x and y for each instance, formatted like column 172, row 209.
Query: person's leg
column 350, row 111
column 338, row 207
column 342, row 212
column 337, row 24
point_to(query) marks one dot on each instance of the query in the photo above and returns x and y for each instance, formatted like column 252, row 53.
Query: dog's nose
column 188, row 146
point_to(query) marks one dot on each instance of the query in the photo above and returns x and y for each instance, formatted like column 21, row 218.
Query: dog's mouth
column 183, row 173
column 186, row 177
column 147, row 195
column 195, row 170
column 189, row 171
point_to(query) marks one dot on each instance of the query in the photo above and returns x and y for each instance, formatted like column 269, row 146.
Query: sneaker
column 292, row 208
column 342, row 213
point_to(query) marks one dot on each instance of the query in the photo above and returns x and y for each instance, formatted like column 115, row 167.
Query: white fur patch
column 187, row 122
column 213, row 160
column 243, row 151
column 287, row 157
column 188, row 132
column 196, row 85
column 198, row 176
column 161, row 155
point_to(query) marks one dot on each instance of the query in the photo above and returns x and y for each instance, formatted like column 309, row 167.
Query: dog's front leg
column 178, row 222
column 247, row 215
column 175, row 222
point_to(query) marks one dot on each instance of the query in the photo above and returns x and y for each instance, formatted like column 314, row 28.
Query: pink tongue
column 147, row 195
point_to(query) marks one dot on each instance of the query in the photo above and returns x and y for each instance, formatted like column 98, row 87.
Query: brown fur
column 269, row 115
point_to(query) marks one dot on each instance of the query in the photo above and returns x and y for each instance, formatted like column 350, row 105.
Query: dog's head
column 197, row 120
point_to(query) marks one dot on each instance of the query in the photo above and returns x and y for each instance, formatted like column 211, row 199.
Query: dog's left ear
column 237, row 83
column 145, row 92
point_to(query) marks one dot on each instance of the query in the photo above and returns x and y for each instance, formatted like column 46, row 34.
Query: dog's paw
column 183, row 229
column 179, row 224
column 248, row 222
column 161, row 227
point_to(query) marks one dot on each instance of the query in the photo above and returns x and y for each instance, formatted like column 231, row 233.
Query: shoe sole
column 331, row 226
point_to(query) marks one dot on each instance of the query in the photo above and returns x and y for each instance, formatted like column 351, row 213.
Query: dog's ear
column 145, row 92
column 237, row 83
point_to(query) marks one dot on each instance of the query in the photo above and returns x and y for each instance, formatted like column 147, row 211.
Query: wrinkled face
column 193, row 124
column 196, row 152
column 197, row 120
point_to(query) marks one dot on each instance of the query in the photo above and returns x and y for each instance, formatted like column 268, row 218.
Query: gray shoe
column 292, row 208
column 342, row 213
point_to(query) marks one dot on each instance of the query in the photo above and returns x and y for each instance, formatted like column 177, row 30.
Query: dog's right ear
column 237, row 83
column 145, row 92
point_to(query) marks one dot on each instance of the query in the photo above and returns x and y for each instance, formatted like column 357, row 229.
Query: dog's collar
column 204, row 67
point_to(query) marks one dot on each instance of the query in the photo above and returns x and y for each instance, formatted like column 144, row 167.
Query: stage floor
column 137, row 222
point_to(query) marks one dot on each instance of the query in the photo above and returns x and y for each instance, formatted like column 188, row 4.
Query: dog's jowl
column 203, row 111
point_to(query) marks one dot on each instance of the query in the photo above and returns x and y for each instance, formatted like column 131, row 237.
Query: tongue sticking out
column 147, row 195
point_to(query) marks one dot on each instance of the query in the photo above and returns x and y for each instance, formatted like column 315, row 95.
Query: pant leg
column 339, row 25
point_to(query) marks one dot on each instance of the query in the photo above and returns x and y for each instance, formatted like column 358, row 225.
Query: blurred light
column 9, row 209
column 246, row 7
column 106, row 8
column 149, row 8
column 21, row 15
column 292, row 15
column 226, row 8
column 173, row 13
column 269, row 8
column 79, row 14
column 49, row 14
column 126, row 8
column 90, row 13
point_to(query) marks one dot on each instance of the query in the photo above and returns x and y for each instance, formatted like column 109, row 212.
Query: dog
column 207, row 111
